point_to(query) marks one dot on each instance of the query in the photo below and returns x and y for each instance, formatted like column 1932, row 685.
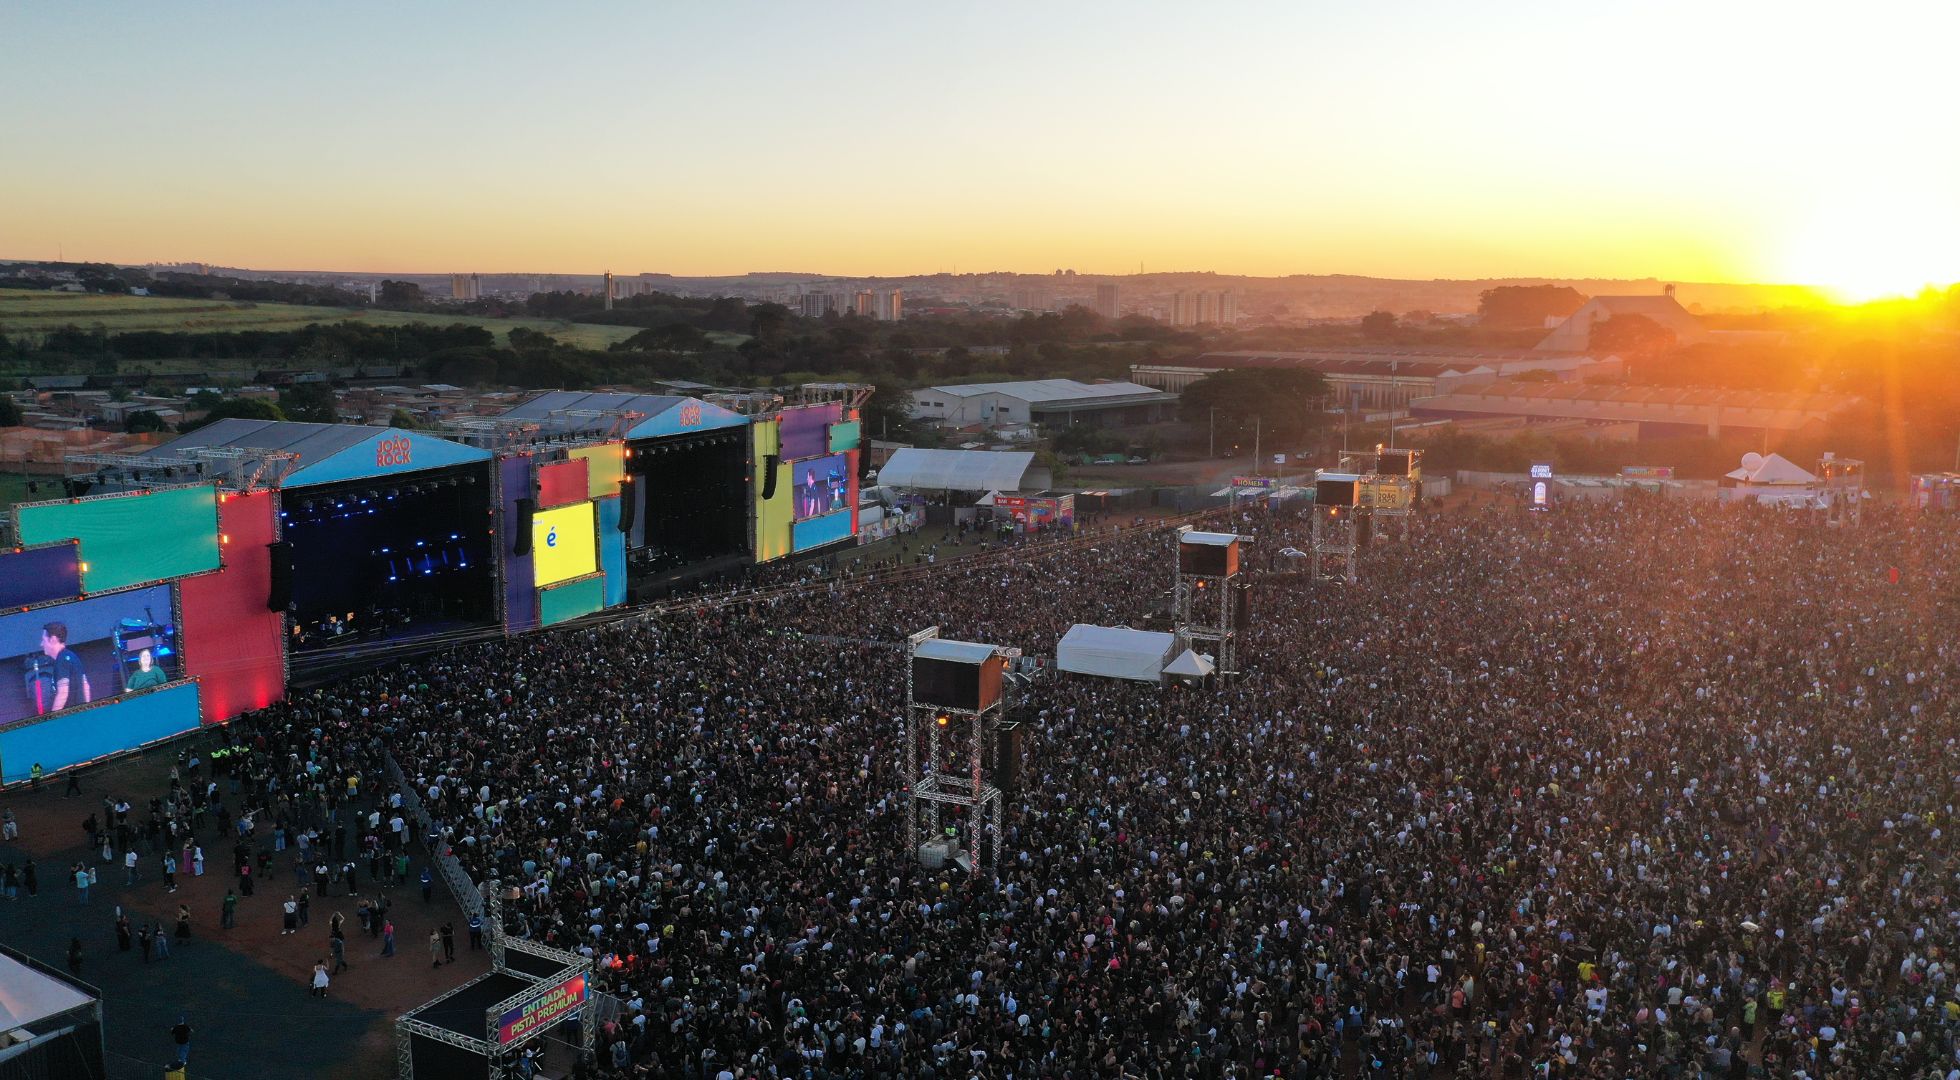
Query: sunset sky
column 1695, row 141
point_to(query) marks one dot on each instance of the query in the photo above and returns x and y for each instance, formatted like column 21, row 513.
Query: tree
column 888, row 414
column 1378, row 323
column 310, row 403
column 674, row 337
column 1526, row 306
column 402, row 418
column 9, row 412
column 1283, row 403
column 139, row 422
column 236, row 409
column 768, row 322
column 400, row 292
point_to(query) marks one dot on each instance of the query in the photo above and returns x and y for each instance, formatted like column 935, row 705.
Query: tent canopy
column 959, row 652
column 962, row 470
column 1190, row 664
column 27, row 996
column 1771, row 469
column 1115, row 652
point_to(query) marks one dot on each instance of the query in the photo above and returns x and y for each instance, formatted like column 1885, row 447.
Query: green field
column 24, row 312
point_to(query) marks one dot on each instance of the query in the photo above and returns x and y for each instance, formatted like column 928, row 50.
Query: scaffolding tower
column 1205, row 594
column 955, row 708
column 1338, row 520
column 1843, row 481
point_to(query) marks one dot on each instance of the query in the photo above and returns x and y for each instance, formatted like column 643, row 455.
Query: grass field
column 38, row 312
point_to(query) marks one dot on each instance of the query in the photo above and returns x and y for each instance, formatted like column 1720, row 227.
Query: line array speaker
column 521, row 543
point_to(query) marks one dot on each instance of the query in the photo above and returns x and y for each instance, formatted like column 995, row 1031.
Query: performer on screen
column 64, row 673
column 148, row 674
column 812, row 494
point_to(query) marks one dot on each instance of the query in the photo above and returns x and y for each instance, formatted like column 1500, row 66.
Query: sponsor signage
column 543, row 1011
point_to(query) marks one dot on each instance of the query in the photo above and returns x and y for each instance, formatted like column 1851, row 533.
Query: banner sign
column 1252, row 481
column 543, row 1011
column 1647, row 472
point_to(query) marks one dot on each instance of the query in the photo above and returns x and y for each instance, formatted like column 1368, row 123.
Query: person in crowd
column 1632, row 788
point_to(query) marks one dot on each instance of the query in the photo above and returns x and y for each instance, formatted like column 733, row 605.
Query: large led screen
column 131, row 539
column 68, row 655
column 563, row 544
column 823, row 486
column 805, row 431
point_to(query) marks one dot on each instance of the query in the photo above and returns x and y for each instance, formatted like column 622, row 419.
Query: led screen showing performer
column 822, row 487
column 67, row 655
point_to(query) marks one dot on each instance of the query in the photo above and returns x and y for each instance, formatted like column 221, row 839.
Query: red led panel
column 231, row 643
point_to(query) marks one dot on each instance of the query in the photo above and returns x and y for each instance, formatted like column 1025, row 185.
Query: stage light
column 943, row 719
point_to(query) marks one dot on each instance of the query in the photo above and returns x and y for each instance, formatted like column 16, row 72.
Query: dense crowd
column 1631, row 789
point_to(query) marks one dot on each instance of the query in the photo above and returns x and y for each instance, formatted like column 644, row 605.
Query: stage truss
column 972, row 733
column 1191, row 612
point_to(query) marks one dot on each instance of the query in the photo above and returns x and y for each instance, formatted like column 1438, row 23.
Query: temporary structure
column 1190, row 664
column 1115, row 652
column 1771, row 478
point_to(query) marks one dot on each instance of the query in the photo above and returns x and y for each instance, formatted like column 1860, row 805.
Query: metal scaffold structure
column 1842, row 481
column 1206, row 595
column 483, row 1027
column 1338, row 522
column 954, row 712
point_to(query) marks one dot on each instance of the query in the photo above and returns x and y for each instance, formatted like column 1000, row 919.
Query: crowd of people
column 1633, row 788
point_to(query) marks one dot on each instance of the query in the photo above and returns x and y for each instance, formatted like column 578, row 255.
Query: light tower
column 1209, row 597
column 1844, row 488
column 954, row 711
column 1393, row 488
column 1339, row 522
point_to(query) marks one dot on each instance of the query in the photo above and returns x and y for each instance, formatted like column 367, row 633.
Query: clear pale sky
column 1689, row 140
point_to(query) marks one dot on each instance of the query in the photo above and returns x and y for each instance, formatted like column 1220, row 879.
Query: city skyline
column 1697, row 143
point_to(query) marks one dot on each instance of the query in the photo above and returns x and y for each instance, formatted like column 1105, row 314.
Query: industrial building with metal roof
column 1049, row 402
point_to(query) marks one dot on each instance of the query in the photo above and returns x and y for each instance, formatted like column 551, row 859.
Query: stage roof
column 660, row 414
column 27, row 996
column 327, row 452
column 959, row 470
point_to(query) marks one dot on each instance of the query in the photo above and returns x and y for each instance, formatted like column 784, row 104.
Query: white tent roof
column 27, row 995
column 960, row 652
column 1190, row 664
column 1114, row 652
column 1774, row 469
column 956, row 470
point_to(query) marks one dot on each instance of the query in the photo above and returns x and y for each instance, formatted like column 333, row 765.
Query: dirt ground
column 244, row 990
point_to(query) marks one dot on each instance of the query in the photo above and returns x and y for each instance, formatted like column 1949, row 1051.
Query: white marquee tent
column 963, row 470
column 1115, row 652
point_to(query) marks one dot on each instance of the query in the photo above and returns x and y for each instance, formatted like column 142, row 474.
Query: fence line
column 467, row 895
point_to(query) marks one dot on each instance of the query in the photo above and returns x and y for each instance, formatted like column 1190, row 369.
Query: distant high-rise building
column 1204, row 309
column 465, row 287
column 1108, row 300
column 815, row 305
column 891, row 305
column 1029, row 297
column 864, row 304
column 608, row 288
